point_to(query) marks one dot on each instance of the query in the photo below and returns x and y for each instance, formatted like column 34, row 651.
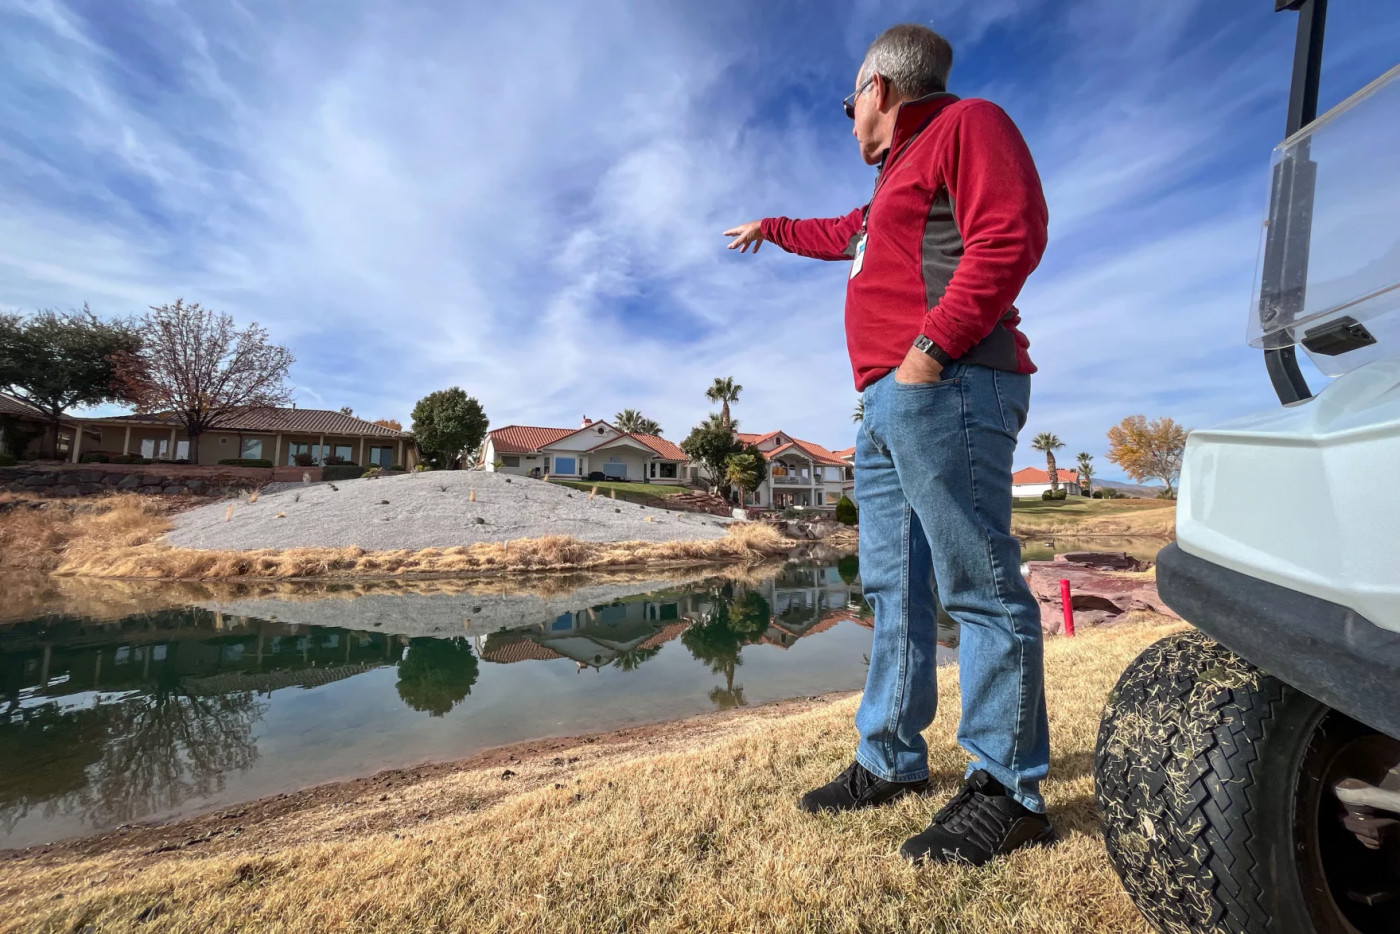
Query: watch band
column 922, row 343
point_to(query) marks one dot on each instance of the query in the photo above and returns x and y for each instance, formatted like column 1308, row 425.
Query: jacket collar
column 912, row 116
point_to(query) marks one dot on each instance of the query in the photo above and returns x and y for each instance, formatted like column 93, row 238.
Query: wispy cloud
column 526, row 200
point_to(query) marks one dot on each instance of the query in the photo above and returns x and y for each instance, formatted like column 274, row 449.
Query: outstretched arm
column 830, row 238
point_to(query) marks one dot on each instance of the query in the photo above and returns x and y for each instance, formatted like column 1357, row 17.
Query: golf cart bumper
column 1321, row 648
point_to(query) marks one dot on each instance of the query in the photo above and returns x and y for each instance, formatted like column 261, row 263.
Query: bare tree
column 194, row 363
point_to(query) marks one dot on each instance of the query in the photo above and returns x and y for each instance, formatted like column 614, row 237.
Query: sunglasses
column 849, row 103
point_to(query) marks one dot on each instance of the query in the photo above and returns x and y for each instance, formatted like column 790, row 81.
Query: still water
column 173, row 701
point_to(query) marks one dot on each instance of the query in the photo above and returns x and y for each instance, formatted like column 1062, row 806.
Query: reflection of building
column 203, row 653
column 596, row 636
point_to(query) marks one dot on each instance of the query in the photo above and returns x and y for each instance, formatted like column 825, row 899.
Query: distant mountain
column 1129, row 489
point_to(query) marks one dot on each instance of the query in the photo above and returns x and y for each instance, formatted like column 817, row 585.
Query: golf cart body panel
column 1324, row 649
column 1305, row 497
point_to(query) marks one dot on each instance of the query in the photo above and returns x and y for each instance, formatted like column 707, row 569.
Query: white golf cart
column 1248, row 773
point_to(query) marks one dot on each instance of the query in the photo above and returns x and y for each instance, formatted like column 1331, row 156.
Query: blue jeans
column 933, row 483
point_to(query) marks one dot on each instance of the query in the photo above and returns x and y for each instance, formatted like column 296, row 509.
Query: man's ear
column 884, row 93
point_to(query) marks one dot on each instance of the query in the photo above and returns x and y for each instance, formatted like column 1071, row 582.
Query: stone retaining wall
column 90, row 479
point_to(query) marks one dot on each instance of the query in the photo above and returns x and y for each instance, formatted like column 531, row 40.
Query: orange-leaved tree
column 1148, row 450
column 393, row 423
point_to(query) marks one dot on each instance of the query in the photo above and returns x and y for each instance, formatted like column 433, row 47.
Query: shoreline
column 203, row 825
column 682, row 825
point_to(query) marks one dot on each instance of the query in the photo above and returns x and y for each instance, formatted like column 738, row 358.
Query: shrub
column 303, row 459
column 130, row 459
column 342, row 472
column 422, row 468
column 245, row 462
column 1045, row 495
column 339, row 462
column 7, row 459
column 373, row 471
column 398, row 467
column 846, row 511
column 95, row 457
column 1049, row 495
column 1098, row 494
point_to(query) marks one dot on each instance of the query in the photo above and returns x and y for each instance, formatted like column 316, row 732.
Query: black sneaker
column 980, row 822
column 854, row 789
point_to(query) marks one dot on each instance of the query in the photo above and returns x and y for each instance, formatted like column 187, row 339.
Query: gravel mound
column 430, row 510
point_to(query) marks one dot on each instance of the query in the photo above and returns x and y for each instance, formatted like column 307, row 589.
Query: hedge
column 846, row 511
column 245, row 462
column 95, row 457
column 1054, row 494
column 130, row 459
column 342, row 472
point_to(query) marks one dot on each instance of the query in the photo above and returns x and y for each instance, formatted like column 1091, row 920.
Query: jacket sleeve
column 1000, row 211
column 832, row 238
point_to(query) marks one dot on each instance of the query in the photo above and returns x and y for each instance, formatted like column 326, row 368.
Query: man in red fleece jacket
column 956, row 223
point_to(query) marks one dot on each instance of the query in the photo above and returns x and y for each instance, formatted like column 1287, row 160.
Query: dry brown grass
column 700, row 837
column 112, row 556
column 117, row 537
column 1082, row 518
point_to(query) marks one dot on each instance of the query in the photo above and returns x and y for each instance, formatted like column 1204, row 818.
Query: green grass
column 628, row 491
column 1080, row 506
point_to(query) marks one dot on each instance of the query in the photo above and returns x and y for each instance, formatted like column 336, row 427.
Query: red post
column 1067, row 607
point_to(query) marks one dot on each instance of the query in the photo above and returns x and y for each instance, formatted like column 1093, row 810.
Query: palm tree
column 859, row 414
column 724, row 391
column 635, row 422
column 716, row 420
column 1086, row 472
column 1046, row 441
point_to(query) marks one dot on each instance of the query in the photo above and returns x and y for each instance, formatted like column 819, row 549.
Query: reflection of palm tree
column 719, row 638
column 435, row 674
column 632, row 659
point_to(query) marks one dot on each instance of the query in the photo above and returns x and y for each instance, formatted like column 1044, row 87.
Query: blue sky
column 526, row 199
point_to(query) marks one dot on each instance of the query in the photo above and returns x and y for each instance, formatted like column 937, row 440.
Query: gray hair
column 914, row 59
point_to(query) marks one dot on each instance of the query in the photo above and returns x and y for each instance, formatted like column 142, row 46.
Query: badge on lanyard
column 860, row 255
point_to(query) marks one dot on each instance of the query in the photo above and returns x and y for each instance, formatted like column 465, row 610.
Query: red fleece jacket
column 955, row 225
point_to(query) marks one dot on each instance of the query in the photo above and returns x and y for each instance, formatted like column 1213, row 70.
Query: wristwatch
column 933, row 350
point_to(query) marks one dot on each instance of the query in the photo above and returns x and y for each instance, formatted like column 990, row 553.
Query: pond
column 144, row 702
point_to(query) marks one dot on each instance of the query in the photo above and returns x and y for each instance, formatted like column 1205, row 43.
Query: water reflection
column 156, row 713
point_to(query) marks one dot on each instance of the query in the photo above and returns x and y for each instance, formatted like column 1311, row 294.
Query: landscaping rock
column 112, row 479
column 1104, row 560
column 40, row 479
column 68, row 490
column 1096, row 597
column 174, row 490
column 130, row 482
column 87, row 476
column 195, row 486
column 148, row 489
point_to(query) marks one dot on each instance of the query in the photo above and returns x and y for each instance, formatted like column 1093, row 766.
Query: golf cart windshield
column 1332, row 281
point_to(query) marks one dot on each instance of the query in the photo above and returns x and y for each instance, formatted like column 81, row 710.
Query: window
column 298, row 447
column 833, row 498
column 252, row 448
column 668, row 471
column 344, row 452
column 566, row 466
column 382, row 456
column 615, row 470
column 155, row 448
column 510, row 460
column 182, row 450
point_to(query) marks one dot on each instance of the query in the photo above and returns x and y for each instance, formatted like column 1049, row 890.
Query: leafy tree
column 1086, row 472
column 346, row 410
column 846, row 512
column 724, row 391
column 1148, row 450
column 194, row 363
column 746, row 469
column 635, row 422
column 447, row 424
column 1049, row 443
column 711, row 446
column 718, row 638
column 393, row 423
column 849, row 569
column 436, row 674
column 632, row 659
column 56, row 362
column 716, row 420
column 859, row 414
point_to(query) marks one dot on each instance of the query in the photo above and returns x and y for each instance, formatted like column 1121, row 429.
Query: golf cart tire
column 1197, row 772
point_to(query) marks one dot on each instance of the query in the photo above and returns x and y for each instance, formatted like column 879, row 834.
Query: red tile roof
column 525, row 439
column 665, row 634
column 520, row 650
column 522, row 439
column 846, row 452
column 1028, row 475
column 298, row 421
column 818, row 453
